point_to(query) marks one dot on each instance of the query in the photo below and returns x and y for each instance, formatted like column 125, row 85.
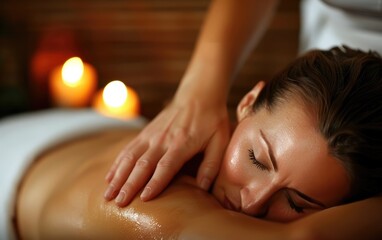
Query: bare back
column 62, row 196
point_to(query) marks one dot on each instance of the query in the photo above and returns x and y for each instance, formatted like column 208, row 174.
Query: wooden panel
column 145, row 43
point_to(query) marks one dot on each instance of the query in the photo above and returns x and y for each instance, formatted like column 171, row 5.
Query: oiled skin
column 62, row 197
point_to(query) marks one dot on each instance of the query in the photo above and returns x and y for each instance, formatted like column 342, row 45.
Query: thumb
column 213, row 157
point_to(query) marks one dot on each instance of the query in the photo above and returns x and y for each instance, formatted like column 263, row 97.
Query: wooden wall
column 144, row 43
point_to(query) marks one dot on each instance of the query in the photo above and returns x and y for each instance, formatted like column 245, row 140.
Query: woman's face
column 277, row 166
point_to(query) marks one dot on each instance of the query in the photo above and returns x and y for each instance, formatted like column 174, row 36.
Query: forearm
column 358, row 220
column 231, row 29
column 224, row 224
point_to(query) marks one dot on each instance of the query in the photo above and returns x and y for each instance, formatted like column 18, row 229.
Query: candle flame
column 115, row 94
column 72, row 71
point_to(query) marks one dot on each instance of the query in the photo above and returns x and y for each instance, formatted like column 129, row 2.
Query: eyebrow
column 307, row 198
column 270, row 150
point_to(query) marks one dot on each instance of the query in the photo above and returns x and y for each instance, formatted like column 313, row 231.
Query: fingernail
column 205, row 184
column 109, row 192
column 146, row 193
column 121, row 197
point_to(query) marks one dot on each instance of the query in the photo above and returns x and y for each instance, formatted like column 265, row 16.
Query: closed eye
column 293, row 205
column 258, row 164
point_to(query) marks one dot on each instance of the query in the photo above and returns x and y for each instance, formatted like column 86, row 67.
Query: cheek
column 236, row 169
column 234, row 166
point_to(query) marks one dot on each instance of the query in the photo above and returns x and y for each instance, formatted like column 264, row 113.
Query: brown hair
column 344, row 88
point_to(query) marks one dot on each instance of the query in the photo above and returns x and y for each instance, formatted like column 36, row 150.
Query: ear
column 248, row 100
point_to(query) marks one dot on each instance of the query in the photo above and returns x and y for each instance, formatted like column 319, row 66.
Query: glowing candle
column 117, row 100
column 73, row 84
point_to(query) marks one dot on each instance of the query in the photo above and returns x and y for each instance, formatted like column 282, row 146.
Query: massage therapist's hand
column 154, row 157
column 197, row 119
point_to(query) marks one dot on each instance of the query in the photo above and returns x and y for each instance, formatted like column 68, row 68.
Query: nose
column 255, row 200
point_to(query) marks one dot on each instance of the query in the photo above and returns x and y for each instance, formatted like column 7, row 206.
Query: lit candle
column 73, row 84
column 117, row 100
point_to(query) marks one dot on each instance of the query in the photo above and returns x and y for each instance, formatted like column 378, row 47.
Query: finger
column 210, row 165
column 119, row 178
column 123, row 171
column 122, row 156
column 165, row 171
column 139, row 176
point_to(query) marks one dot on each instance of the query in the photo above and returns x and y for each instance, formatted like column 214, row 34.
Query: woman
column 301, row 145
column 230, row 31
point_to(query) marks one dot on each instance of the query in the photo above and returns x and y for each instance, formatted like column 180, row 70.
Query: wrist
column 203, row 89
column 204, row 83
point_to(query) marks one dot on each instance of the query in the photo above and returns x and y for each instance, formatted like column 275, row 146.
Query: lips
column 229, row 205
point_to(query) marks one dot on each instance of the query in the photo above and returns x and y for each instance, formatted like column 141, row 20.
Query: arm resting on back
column 358, row 220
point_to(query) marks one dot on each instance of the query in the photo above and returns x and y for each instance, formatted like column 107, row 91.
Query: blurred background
column 146, row 44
